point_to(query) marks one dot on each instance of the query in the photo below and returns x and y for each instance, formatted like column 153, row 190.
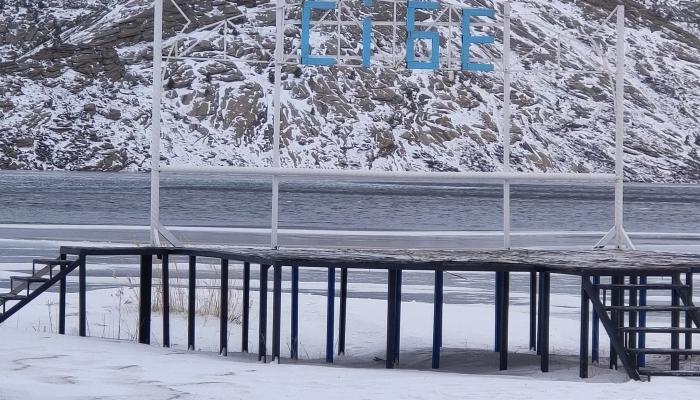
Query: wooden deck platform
column 619, row 303
column 571, row 262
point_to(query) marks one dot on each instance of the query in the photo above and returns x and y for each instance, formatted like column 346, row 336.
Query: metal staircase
column 25, row 288
column 624, row 318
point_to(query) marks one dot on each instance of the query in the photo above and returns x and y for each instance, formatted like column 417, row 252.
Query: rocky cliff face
column 75, row 92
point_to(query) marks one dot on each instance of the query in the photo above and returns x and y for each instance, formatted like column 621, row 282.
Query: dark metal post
column 330, row 315
column 294, row 347
column 397, row 331
column 688, row 314
column 675, row 323
column 503, row 335
column 145, row 288
column 614, row 316
column 246, row 307
column 276, row 311
column 497, row 300
column 262, row 321
column 544, row 321
column 191, row 301
column 540, row 299
column 641, row 338
column 343, row 310
column 82, row 290
column 437, row 318
column 583, row 350
column 223, row 315
column 595, row 328
column 391, row 320
column 165, row 278
column 533, row 310
column 632, row 316
column 62, row 301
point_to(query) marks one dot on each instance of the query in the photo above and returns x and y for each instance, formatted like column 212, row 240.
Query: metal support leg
column 330, row 315
column 223, row 315
column 191, row 301
column 595, row 328
column 675, row 323
column 503, row 335
column 145, row 288
column 583, row 350
column 614, row 316
column 391, row 321
column 544, row 321
column 343, row 310
column 437, row 318
column 533, row 310
column 82, row 291
column 276, row 312
column 641, row 339
column 632, row 316
column 397, row 330
column 262, row 320
column 497, row 320
column 540, row 297
column 688, row 314
column 245, row 325
column 62, row 301
column 165, row 278
column 294, row 347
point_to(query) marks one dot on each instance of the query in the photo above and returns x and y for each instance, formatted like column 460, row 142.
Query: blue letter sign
column 414, row 35
column 468, row 39
column 367, row 37
column 306, row 57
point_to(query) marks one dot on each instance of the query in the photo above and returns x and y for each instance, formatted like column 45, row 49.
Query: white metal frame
column 616, row 236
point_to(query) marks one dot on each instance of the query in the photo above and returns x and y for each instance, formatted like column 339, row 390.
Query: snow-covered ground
column 38, row 364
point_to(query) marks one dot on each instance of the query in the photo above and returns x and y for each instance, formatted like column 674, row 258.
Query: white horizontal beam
column 402, row 176
column 333, row 232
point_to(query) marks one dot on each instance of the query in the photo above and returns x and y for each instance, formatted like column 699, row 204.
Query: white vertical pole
column 155, row 120
column 279, row 58
column 620, row 127
column 506, row 123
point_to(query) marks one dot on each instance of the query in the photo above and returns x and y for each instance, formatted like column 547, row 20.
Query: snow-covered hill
column 75, row 93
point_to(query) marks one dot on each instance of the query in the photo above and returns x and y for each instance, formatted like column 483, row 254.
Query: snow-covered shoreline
column 40, row 364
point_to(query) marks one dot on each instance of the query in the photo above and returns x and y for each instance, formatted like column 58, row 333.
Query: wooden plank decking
column 573, row 262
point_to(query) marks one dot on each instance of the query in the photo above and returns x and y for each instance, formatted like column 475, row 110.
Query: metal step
column 50, row 261
column 665, row 351
column 651, row 308
column 12, row 296
column 659, row 329
column 651, row 372
column 648, row 286
column 28, row 278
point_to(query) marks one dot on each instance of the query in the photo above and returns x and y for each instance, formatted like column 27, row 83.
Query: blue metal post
column 437, row 319
column 294, row 347
column 391, row 320
column 499, row 306
column 330, row 314
column 595, row 328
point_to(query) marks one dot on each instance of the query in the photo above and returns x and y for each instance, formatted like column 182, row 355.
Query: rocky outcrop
column 75, row 81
